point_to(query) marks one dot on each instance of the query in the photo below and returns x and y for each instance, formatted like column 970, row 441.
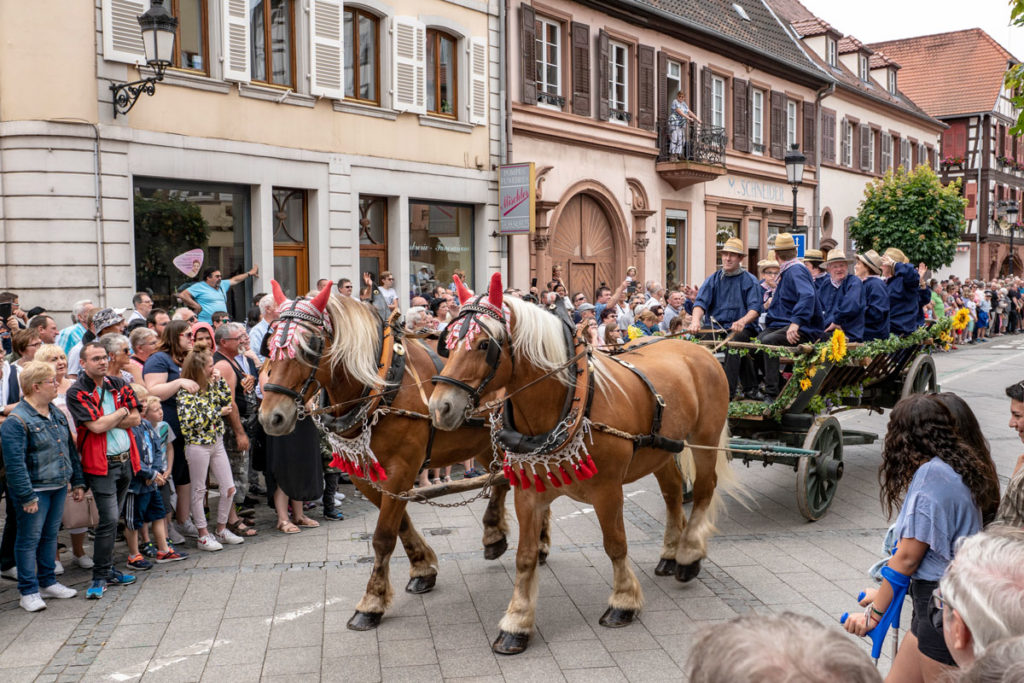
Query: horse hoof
column 421, row 584
column 666, row 567
column 510, row 643
column 365, row 621
column 542, row 558
column 687, row 572
column 493, row 551
column 614, row 617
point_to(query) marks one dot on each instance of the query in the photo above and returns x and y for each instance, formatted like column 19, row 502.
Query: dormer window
column 863, row 70
column 831, row 52
column 891, row 79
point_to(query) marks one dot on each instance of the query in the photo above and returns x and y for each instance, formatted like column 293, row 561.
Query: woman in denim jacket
column 41, row 460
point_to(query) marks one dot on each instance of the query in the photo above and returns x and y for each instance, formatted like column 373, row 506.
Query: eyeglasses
column 48, row 382
column 936, row 604
column 231, row 339
column 186, row 335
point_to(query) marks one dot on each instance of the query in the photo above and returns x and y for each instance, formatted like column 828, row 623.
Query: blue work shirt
column 905, row 307
column 727, row 298
column 795, row 301
column 211, row 299
column 874, row 299
column 842, row 305
column 39, row 452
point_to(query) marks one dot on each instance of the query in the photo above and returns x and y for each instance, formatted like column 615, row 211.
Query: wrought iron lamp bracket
column 127, row 94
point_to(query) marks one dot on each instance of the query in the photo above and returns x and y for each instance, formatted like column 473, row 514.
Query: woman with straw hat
column 840, row 298
column 874, row 295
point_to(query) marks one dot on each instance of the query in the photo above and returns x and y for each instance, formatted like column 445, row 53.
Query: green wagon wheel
column 921, row 377
column 817, row 477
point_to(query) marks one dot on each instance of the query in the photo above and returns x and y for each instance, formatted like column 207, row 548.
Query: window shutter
column 895, row 150
column 236, row 40
column 810, row 130
column 971, row 194
column 645, row 87
column 740, row 116
column 528, row 46
column 828, row 136
column 691, row 88
column 410, row 65
column 865, row 145
column 663, row 93
column 705, row 96
column 844, row 143
column 478, row 81
column 326, row 58
column 778, row 125
column 122, row 38
column 603, row 86
column 581, row 69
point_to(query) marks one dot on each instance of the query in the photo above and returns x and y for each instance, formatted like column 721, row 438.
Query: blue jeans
column 36, row 544
column 109, row 492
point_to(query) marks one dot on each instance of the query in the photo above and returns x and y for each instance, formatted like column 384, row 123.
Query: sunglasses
column 936, row 604
column 186, row 335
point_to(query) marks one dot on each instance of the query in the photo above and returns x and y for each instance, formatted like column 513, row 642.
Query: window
column 373, row 236
column 718, row 101
column 757, row 121
column 791, row 123
column 362, row 56
column 440, row 241
column 618, row 82
column 847, row 144
column 864, row 70
column 291, row 255
column 272, row 27
column 922, row 154
column 549, row 63
column 675, row 247
column 190, row 43
column 673, row 79
column 442, row 74
column 891, row 80
column 871, row 150
column 886, row 152
column 905, row 154
column 830, row 51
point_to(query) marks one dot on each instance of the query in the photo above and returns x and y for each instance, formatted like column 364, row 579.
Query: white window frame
column 847, row 160
column 757, row 121
column 673, row 74
column 831, row 52
column 864, row 70
column 891, row 80
column 618, row 50
column 718, row 101
column 871, row 150
column 542, row 49
column 792, row 134
column 886, row 152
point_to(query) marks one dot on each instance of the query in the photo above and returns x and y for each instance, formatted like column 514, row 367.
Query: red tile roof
column 946, row 74
column 850, row 44
column 812, row 27
column 880, row 59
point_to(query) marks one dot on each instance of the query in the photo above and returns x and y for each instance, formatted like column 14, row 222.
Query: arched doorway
column 583, row 243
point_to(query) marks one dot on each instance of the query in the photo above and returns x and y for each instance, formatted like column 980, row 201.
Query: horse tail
column 727, row 481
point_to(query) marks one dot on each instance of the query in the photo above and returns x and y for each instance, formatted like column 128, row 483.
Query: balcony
column 702, row 157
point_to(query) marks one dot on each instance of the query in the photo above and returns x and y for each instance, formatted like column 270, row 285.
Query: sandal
column 286, row 527
column 240, row 528
column 306, row 522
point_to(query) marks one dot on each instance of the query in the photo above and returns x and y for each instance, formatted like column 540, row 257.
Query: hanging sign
column 516, row 199
column 190, row 262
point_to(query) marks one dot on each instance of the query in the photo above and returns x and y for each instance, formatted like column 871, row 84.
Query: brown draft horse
column 336, row 345
column 523, row 348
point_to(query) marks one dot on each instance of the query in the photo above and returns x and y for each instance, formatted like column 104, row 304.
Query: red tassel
column 510, row 474
column 336, row 462
column 593, row 467
column 584, row 470
column 381, row 472
column 539, row 481
column 524, row 478
column 553, row 478
column 566, row 478
column 359, row 472
column 372, row 472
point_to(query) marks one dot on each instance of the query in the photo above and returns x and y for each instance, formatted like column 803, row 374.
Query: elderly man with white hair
column 268, row 314
column 71, row 336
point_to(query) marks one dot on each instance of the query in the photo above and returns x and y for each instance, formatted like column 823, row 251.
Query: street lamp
column 794, row 174
column 1011, row 214
column 158, row 30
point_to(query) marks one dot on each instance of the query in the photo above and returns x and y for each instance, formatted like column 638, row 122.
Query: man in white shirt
column 268, row 314
column 143, row 304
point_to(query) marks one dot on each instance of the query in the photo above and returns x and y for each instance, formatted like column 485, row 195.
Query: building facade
column 314, row 139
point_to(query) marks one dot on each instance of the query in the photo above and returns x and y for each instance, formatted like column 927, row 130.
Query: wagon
column 803, row 432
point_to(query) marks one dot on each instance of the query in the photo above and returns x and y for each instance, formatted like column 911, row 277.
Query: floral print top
column 199, row 413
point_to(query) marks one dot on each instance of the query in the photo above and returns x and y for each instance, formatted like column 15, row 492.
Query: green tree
column 165, row 226
column 1015, row 75
column 912, row 212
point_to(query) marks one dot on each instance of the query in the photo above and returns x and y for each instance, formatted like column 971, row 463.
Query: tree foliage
column 165, row 226
column 913, row 212
column 1015, row 75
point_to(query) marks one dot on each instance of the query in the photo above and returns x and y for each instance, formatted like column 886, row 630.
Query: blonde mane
column 356, row 336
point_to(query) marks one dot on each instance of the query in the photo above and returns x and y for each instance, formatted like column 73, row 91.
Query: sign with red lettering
column 516, row 199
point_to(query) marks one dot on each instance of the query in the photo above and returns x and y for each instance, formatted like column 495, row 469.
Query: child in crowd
column 161, row 437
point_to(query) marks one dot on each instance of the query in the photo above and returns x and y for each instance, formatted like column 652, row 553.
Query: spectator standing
column 210, row 295
column 157, row 320
column 46, row 327
column 70, row 336
column 143, row 341
column 678, row 115
column 268, row 314
column 143, row 304
column 1011, row 509
column 240, row 382
column 345, row 287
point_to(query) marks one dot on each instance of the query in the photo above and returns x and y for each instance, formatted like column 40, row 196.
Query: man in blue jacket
column 840, row 297
column 907, row 293
column 729, row 301
column 795, row 314
column 874, row 295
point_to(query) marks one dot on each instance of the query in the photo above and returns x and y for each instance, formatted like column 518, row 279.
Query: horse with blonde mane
column 341, row 344
column 586, row 439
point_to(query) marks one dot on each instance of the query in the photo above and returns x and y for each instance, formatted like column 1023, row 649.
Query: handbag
column 80, row 514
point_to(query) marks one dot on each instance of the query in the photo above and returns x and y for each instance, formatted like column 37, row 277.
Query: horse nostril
column 276, row 419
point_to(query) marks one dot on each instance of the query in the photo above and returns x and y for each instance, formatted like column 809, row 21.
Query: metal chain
column 408, row 497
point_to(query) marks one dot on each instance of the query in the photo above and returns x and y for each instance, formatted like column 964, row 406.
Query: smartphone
column 533, row 282
column 6, row 311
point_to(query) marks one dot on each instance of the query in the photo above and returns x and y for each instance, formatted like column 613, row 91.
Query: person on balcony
column 678, row 115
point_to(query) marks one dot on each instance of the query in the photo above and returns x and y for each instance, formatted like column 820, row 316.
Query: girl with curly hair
column 940, row 484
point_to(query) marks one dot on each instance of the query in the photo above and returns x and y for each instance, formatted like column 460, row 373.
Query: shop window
column 191, row 45
column 272, row 28
column 440, row 242
column 442, row 74
column 675, row 247
column 373, row 236
column 291, row 253
column 173, row 217
column 362, row 56
column 724, row 230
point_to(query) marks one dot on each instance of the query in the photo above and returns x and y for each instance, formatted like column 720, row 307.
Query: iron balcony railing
column 702, row 144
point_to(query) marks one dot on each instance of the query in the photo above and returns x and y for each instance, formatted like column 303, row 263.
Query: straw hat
column 837, row 255
column 766, row 263
column 813, row 255
column 896, row 255
column 872, row 260
column 734, row 245
column 784, row 241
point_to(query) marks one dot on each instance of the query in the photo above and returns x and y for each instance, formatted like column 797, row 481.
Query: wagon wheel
column 817, row 477
column 921, row 378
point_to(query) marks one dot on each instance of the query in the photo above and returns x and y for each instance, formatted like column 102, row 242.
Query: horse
column 342, row 345
column 590, row 423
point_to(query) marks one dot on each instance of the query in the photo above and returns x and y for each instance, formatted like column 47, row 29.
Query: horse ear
column 321, row 299
column 461, row 289
column 495, row 293
column 279, row 296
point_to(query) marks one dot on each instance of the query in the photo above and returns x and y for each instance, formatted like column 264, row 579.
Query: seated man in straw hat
column 840, row 298
column 729, row 301
column 794, row 316
column 813, row 259
column 874, row 295
column 908, row 294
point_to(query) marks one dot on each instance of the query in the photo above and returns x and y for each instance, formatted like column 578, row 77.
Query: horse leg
column 627, row 597
column 517, row 623
column 693, row 547
column 545, row 538
column 495, row 523
column 670, row 480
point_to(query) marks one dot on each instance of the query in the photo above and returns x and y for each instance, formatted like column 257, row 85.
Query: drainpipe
column 819, row 96
column 505, row 133
column 977, row 201
column 100, row 237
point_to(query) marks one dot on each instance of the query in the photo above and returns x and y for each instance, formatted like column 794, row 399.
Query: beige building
column 315, row 138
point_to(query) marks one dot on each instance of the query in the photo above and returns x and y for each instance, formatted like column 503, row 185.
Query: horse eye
column 483, row 345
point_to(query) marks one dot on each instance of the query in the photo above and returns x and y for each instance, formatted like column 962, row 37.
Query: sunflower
column 838, row 346
column 805, row 384
column 812, row 371
column 961, row 319
column 823, row 355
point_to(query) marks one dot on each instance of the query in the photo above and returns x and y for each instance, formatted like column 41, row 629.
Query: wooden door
column 583, row 244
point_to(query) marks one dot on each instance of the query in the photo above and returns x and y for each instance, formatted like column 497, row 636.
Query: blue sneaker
column 96, row 589
column 335, row 515
column 139, row 562
column 118, row 578
column 149, row 550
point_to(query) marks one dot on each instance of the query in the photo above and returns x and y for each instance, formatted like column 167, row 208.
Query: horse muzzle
column 448, row 411
column 279, row 420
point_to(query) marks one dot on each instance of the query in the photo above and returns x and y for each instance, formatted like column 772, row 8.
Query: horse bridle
column 491, row 346
column 315, row 326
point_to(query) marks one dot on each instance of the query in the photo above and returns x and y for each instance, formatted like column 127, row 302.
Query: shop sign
column 516, row 199
column 755, row 190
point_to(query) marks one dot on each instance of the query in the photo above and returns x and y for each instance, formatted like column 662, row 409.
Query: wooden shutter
column 778, row 125
column 896, row 150
column 954, row 140
column 528, row 47
column 691, row 91
column 810, row 130
column 478, row 81
column 581, row 69
column 326, row 57
column 971, row 194
column 740, row 115
column 603, row 86
column 705, row 96
column 865, row 147
column 122, row 37
column 236, row 40
column 409, row 60
column 663, row 93
column 646, row 90
column 828, row 135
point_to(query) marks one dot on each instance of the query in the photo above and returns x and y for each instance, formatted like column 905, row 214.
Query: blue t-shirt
column 938, row 510
column 210, row 298
column 161, row 362
column 117, row 439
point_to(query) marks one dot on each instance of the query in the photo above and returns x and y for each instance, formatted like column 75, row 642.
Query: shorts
column 982, row 319
column 144, row 507
column 929, row 639
column 165, row 496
